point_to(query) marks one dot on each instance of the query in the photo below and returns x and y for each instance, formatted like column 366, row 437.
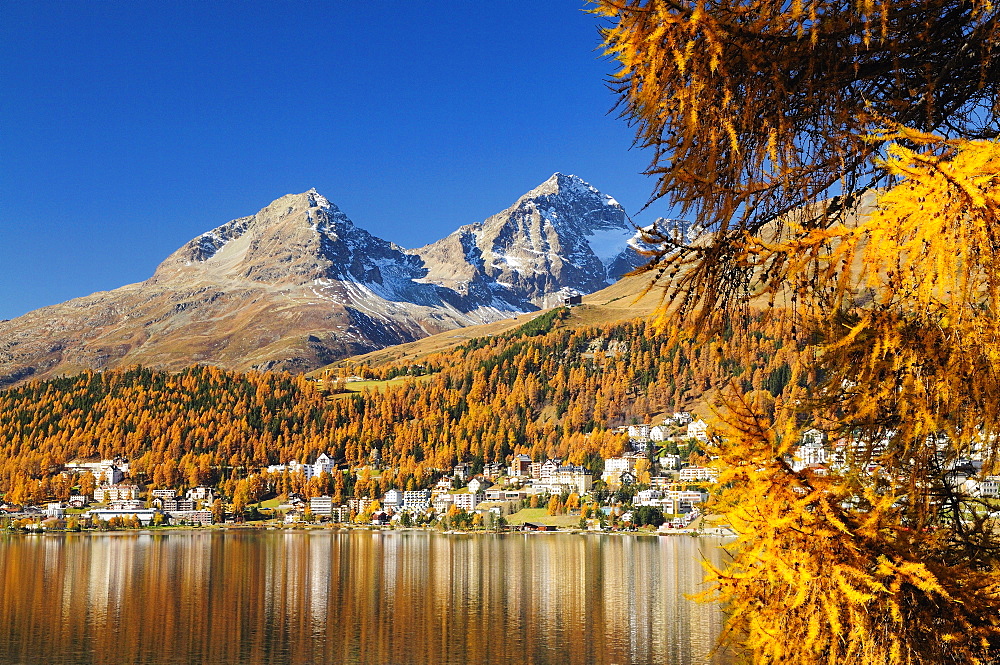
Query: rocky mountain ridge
column 564, row 235
column 298, row 285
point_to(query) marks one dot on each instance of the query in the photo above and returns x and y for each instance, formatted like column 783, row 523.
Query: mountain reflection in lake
column 406, row 598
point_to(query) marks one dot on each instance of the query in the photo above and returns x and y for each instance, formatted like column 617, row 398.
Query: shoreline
column 714, row 532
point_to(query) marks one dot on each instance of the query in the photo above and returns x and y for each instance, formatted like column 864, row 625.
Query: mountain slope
column 297, row 285
column 628, row 299
column 292, row 287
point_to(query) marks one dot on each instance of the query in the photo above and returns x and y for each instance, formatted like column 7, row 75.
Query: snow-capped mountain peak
column 298, row 285
column 317, row 200
column 564, row 233
column 569, row 187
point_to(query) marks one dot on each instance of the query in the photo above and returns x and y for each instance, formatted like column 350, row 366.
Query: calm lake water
column 353, row 597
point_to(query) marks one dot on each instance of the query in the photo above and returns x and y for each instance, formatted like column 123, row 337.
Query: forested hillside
column 545, row 389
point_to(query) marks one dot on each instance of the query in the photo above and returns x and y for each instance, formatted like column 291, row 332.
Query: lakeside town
column 659, row 484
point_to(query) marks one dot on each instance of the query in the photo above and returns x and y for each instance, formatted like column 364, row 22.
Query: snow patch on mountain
column 211, row 243
column 608, row 244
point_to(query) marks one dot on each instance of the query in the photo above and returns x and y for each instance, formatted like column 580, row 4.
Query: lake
column 372, row 597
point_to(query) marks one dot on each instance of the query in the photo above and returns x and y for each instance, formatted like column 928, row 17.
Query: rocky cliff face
column 298, row 285
column 564, row 235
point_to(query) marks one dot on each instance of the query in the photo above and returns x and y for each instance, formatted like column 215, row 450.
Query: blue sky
column 128, row 128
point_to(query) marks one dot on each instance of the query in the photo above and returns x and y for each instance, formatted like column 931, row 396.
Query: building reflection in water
column 354, row 597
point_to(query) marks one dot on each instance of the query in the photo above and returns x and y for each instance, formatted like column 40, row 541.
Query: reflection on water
column 353, row 597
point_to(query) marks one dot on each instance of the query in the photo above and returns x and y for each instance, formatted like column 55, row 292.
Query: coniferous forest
column 545, row 389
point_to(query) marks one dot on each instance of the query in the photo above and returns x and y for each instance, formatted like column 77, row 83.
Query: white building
column 201, row 494
column 670, row 461
column 811, row 452
column 323, row 463
column 417, row 500
column 145, row 515
column 112, row 471
column 497, row 494
column 109, row 493
column 645, row 497
column 112, row 475
column 671, row 502
column 986, row 487
column 359, row 505
column 493, row 470
column 321, row 505
column 684, row 500
column 573, row 478
column 549, row 468
column 682, row 418
column 175, row 505
column 479, row 484
column 467, row 501
column 441, row 502
column 814, row 436
column 698, row 473
column 393, row 499
column 640, row 432
column 698, row 430
column 127, row 504
column 619, row 464
column 203, row 517
column 614, row 467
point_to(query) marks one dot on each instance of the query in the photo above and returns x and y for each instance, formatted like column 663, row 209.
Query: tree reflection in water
column 353, row 597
